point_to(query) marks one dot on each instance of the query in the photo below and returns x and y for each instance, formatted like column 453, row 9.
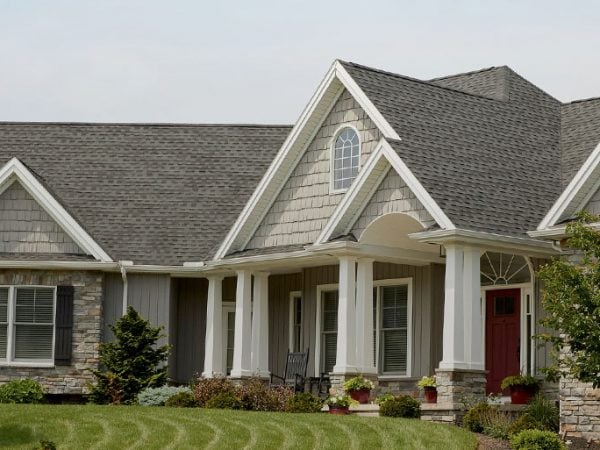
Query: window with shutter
column 393, row 333
column 296, row 322
column 329, row 327
column 27, row 325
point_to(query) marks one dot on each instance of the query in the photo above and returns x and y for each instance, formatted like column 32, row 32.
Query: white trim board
column 355, row 200
column 322, row 101
column 577, row 193
column 15, row 170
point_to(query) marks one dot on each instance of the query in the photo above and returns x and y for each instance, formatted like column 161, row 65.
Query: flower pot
column 522, row 394
column 361, row 396
column 430, row 394
column 339, row 410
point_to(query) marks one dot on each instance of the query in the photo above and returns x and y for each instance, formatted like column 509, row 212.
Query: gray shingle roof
column 580, row 134
column 491, row 165
column 154, row 194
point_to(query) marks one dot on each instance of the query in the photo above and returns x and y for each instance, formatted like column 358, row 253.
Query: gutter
column 122, row 267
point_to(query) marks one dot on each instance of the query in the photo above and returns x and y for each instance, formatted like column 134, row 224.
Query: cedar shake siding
column 305, row 203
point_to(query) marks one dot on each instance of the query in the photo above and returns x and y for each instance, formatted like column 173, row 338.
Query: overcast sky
column 260, row 61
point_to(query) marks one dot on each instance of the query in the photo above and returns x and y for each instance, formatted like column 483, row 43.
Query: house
column 393, row 231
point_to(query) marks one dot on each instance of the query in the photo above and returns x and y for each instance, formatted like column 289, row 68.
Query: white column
column 473, row 322
column 260, row 326
column 346, row 344
column 453, row 356
column 243, row 336
column 364, row 317
column 213, row 343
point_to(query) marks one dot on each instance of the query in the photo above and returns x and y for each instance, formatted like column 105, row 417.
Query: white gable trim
column 16, row 170
column 345, row 209
column 578, row 192
column 286, row 159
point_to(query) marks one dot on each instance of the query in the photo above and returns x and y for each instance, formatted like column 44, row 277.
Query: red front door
column 502, row 336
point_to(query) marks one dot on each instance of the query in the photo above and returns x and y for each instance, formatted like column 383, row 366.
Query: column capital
column 261, row 273
column 353, row 258
column 215, row 276
column 365, row 259
column 242, row 272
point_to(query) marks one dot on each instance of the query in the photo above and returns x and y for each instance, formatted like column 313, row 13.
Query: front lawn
column 129, row 427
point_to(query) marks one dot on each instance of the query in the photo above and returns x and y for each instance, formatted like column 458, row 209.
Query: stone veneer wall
column 457, row 386
column 87, row 329
column 579, row 409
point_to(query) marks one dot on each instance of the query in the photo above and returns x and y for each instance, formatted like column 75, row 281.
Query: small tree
column 130, row 363
column 571, row 297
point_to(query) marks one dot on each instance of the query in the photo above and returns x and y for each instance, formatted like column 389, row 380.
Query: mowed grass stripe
column 136, row 427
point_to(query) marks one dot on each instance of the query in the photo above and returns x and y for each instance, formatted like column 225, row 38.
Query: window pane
column 3, row 340
column 329, row 351
column 3, row 305
column 346, row 156
column 394, row 350
column 330, row 311
column 394, row 307
column 33, row 341
column 230, row 341
column 35, row 305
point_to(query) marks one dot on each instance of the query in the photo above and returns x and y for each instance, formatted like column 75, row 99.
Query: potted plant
column 338, row 404
column 359, row 388
column 522, row 388
column 429, row 387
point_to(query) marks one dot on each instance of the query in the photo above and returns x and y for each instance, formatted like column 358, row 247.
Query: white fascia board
column 347, row 201
column 558, row 232
column 486, row 240
column 60, row 265
column 336, row 71
column 364, row 101
column 572, row 190
column 415, row 185
column 15, row 169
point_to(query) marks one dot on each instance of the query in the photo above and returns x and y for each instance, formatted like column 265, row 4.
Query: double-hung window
column 27, row 325
column 296, row 319
column 329, row 328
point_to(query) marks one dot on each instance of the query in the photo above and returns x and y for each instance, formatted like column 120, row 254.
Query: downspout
column 122, row 265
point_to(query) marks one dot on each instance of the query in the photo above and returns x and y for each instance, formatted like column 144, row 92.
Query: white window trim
column 226, row 307
column 320, row 289
column 294, row 295
column 332, row 189
column 409, row 325
column 32, row 363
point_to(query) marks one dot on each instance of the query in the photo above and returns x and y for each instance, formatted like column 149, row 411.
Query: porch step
column 366, row 410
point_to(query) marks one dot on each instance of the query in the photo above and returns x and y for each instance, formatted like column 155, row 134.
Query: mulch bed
column 488, row 443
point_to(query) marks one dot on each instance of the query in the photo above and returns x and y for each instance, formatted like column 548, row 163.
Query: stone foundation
column 338, row 380
column 579, row 409
column 457, row 387
column 399, row 386
column 87, row 329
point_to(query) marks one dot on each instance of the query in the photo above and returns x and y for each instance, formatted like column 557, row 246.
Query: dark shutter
column 64, row 325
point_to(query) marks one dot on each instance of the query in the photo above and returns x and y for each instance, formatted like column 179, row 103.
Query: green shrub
column 207, row 388
column 496, row 423
column 183, row 399
column 521, row 423
column 304, row 403
column 543, row 413
column 22, row 391
column 536, row 440
column 131, row 363
column 384, row 398
column 403, row 406
column 224, row 400
column 158, row 396
column 473, row 420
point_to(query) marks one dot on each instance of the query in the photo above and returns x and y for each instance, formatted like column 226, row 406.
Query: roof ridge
column 416, row 80
column 591, row 99
column 148, row 124
column 471, row 72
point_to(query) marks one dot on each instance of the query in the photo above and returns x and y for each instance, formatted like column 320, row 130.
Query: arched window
column 502, row 268
column 346, row 156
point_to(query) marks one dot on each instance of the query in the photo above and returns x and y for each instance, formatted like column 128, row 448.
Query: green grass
column 136, row 427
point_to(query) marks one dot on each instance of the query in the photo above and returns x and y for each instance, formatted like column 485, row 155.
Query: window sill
column 29, row 365
column 395, row 377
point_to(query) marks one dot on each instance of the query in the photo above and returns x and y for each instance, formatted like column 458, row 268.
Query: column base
column 243, row 373
column 460, row 365
column 261, row 374
column 458, row 386
column 212, row 375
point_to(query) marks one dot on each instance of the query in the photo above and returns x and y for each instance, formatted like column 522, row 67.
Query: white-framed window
column 27, row 325
column 392, row 326
column 228, row 335
column 345, row 157
column 326, row 326
column 296, row 320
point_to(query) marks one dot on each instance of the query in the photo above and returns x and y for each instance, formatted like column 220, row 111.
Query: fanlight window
column 502, row 268
column 346, row 155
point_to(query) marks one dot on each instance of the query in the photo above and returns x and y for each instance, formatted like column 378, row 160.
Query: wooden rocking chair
column 295, row 371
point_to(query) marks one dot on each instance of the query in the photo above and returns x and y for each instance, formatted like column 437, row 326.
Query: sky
column 259, row 61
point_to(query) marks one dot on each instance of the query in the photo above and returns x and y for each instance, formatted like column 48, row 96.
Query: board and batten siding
column 25, row 227
column 190, row 296
column 392, row 196
column 305, row 203
column 112, row 308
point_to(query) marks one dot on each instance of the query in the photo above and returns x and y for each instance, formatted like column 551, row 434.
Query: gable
column 593, row 206
column 305, row 204
column 25, row 227
column 392, row 196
